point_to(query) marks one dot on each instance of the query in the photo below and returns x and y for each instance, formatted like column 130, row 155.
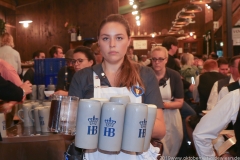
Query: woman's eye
column 105, row 38
column 119, row 38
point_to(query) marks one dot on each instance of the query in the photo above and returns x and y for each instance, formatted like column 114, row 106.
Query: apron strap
column 97, row 86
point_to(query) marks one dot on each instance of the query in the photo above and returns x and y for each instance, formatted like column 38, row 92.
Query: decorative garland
column 2, row 27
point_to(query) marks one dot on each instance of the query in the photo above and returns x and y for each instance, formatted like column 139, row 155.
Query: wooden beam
column 235, row 5
column 236, row 16
column 7, row 5
column 227, row 28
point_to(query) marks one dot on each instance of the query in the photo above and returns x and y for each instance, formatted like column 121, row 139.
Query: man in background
column 56, row 52
column 29, row 74
column 234, row 76
column 223, row 66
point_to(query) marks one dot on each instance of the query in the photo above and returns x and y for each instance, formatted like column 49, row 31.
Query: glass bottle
column 79, row 37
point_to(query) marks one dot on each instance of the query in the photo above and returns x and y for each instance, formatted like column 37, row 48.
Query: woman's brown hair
column 128, row 74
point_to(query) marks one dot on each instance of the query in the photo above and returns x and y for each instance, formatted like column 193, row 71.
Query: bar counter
column 25, row 144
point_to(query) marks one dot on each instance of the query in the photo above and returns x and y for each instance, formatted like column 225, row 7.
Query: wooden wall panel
column 49, row 17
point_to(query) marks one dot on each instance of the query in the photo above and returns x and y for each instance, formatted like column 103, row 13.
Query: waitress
column 171, row 88
column 117, row 75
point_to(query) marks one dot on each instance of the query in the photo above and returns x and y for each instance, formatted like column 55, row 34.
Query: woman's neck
column 160, row 74
column 111, row 71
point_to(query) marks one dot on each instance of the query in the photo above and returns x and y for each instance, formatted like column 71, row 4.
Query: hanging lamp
column 186, row 15
column 192, row 8
column 200, row 1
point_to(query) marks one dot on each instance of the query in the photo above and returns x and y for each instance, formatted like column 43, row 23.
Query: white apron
column 174, row 132
column 107, row 92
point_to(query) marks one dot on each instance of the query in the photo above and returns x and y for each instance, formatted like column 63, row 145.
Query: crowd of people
column 182, row 86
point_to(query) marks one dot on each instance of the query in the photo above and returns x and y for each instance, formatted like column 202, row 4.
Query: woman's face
column 159, row 60
column 113, row 42
column 80, row 61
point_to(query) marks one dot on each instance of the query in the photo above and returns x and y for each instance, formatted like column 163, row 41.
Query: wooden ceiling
column 13, row 4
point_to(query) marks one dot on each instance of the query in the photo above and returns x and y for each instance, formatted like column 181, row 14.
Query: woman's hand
column 159, row 129
column 6, row 107
column 61, row 92
column 27, row 87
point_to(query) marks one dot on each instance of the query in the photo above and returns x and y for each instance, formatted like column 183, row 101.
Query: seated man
column 29, row 75
column 56, row 52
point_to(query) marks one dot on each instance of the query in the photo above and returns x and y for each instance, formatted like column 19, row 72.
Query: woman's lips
column 112, row 52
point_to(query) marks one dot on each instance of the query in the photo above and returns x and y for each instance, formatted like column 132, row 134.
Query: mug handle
column 19, row 115
column 30, row 114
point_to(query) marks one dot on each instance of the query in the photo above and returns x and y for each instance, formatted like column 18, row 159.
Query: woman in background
column 171, row 88
column 188, row 70
column 81, row 57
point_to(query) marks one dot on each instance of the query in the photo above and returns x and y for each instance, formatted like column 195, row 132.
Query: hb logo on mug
column 142, row 131
column 108, row 131
column 92, row 129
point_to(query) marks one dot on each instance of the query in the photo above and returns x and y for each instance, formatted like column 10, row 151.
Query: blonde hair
column 186, row 59
column 95, row 48
column 7, row 39
column 160, row 48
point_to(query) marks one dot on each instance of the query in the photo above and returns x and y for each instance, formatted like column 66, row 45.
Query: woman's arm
column 159, row 129
column 176, row 104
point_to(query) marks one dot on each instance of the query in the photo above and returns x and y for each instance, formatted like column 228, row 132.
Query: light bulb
column 131, row 2
column 137, row 17
column 135, row 6
column 134, row 12
column 25, row 25
column 138, row 23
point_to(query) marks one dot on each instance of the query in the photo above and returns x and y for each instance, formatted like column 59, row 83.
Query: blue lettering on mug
column 92, row 130
column 142, row 133
column 110, row 132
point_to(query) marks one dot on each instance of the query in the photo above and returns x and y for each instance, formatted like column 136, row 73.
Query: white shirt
column 224, row 91
column 213, row 97
column 11, row 56
column 214, row 122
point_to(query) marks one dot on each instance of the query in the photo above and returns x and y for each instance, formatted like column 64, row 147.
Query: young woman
column 82, row 57
column 119, row 76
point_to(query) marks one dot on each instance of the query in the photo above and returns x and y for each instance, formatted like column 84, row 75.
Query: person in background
column 205, row 82
column 118, row 75
column 9, row 73
column 144, row 60
column 131, row 55
column 188, row 71
column 199, row 64
column 29, row 74
column 9, row 54
column 223, row 66
column 216, row 92
column 98, row 56
column 11, row 94
column 56, row 52
column 171, row 89
column 213, row 55
column 171, row 44
column 79, row 58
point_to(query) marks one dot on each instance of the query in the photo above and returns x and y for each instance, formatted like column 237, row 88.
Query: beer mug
column 88, row 120
column 68, row 115
column 135, row 123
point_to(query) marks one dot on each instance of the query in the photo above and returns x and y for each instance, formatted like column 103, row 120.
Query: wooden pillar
column 227, row 28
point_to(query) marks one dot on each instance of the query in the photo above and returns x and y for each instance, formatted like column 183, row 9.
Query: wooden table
column 30, row 146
